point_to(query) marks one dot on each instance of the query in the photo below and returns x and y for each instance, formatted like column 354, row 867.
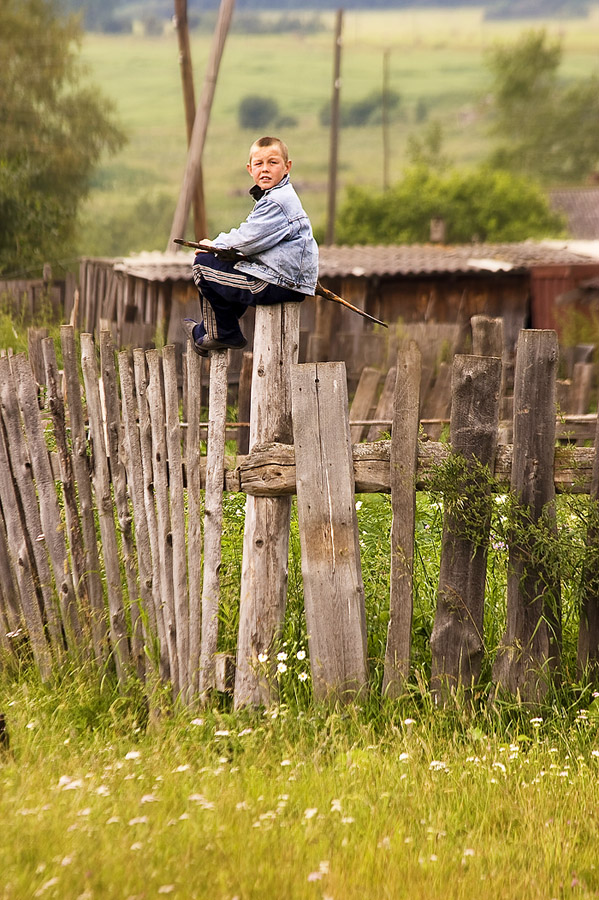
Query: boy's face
column 267, row 166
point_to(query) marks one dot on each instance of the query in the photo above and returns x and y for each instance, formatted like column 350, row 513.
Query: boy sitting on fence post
column 280, row 255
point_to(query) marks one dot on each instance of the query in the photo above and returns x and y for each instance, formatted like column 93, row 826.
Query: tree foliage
column 484, row 204
column 545, row 128
column 54, row 130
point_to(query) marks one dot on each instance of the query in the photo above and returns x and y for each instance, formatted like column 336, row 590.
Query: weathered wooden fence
column 103, row 493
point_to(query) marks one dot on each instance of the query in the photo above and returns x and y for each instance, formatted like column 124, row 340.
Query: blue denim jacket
column 278, row 236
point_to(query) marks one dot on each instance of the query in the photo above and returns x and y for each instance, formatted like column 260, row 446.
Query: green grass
column 435, row 56
column 394, row 801
column 100, row 798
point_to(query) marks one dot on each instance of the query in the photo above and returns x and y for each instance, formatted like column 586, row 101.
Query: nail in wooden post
column 403, row 469
column 326, row 509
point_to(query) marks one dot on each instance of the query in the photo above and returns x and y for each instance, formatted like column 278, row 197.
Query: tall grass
column 102, row 797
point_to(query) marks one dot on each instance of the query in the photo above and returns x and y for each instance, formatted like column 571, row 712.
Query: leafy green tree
column 545, row 128
column 484, row 204
column 256, row 112
column 54, row 131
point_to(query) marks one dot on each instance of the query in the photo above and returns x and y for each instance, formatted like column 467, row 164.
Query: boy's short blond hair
column 271, row 142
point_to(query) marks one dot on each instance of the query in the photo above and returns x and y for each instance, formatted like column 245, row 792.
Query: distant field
column 436, row 62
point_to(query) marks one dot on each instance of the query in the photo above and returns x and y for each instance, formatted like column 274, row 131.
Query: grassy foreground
column 400, row 801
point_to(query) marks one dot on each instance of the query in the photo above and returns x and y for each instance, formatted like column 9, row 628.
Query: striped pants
column 225, row 294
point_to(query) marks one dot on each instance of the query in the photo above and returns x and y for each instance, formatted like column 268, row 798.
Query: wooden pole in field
column 403, row 469
column 530, row 647
column 213, row 517
column 457, row 644
column 200, row 125
column 266, row 536
column 334, row 141
column 189, row 103
column 326, row 511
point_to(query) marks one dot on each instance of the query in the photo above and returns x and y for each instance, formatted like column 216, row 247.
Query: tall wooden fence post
column 587, row 654
column 457, row 643
column 530, row 646
column 101, row 482
column 213, row 522
column 331, row 569
column 266, row 536
column 403, row 468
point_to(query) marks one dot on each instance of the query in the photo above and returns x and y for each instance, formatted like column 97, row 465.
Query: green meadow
column 435, row 63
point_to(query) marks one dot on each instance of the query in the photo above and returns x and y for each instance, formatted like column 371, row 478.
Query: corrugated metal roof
column 388, row 260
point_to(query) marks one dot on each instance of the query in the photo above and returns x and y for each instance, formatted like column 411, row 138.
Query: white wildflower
column 301, row 654
column 282, row 656
column 282, row 667
column 310, row 812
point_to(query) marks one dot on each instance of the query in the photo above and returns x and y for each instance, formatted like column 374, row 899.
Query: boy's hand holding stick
column 320, row 291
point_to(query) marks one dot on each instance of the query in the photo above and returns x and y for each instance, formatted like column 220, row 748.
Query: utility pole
column 334, row 146
column 182, row 26
column 200, row 125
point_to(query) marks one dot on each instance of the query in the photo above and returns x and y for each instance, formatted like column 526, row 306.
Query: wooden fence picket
column 48, row 502
column 82, row 473
column 364, row 400
column 530, row 647
column 403, row 467
column 101, row 484
column 118, row 475
column 55, row 404
column 159, row 485
column 25, row 491
column 457, row 643
column 266, row 534
column 150, row 519
column 213, row 518
column 177, row 512
column 22, row 566
column 194, row 511
column 587, row 650
column 331, row 569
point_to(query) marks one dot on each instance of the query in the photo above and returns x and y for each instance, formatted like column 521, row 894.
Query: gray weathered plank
column 101, row 484
column 213, row 518
column 50, row 516
column 194, row 512
column 177, row 512
column 266, row 534
column 331, row 569
column 82, row 472
column 457, row 642
column 530, row 646
column 163, row 519
column 147, row 474
column 364, row 400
